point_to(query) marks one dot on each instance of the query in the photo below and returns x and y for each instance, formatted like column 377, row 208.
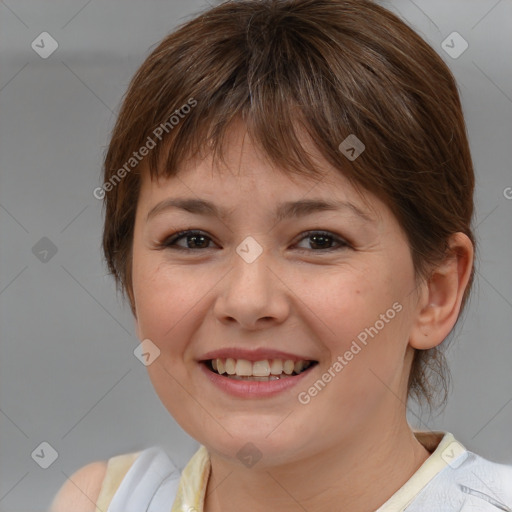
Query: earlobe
column 441, row 296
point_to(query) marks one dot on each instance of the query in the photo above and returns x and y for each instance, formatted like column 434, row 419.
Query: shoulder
column 152, row 479
column 489, row 476
column 468, row 482
column 81, row 490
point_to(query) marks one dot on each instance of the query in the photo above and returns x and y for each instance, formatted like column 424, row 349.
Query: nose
column 253, row 295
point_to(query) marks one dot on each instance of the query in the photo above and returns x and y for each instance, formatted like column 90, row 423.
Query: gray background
column 68, row 375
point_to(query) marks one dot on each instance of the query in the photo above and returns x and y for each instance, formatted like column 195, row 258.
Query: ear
column 440, row 297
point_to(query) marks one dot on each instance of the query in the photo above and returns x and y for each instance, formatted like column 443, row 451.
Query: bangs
column 207, row 132
column 285, row 116
column 291, row 82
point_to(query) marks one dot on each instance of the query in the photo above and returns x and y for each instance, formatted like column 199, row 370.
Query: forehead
column 208, row 191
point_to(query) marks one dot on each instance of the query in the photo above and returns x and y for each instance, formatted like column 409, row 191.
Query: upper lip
column 258, row 354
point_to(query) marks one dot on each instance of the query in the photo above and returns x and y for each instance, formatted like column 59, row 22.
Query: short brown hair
column 331, row 67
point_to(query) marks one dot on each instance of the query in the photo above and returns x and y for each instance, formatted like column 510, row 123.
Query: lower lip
column 253, row 388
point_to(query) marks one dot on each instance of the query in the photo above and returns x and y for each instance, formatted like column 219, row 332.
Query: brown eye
column 323, row 241
column 193, row 240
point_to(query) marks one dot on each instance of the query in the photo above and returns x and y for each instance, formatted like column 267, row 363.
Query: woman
column 289, row 193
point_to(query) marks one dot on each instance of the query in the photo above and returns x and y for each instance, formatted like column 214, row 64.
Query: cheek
column 364, row 316
column 167, row 299
column 161, row 299
column 346, row 302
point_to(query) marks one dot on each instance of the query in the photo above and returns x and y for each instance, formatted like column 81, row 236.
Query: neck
column 377, row 458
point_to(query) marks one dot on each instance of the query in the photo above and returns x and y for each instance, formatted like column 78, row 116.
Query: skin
column 314, row 302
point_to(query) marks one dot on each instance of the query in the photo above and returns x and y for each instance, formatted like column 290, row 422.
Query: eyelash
column 169, row 242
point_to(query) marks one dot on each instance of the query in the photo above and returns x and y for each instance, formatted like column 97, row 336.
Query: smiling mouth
column 264, row 371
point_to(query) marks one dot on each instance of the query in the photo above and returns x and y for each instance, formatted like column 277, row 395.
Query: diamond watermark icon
column 44, row 250
column 44, row 45
column 454, row 454
column 248, row 455
column 249, row 250
column 45, row 455
column 146, row 352
column 454, row 45
column 351, row 147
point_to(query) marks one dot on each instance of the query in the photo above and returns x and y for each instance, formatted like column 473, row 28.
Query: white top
column 452, row 479
column 150, row 485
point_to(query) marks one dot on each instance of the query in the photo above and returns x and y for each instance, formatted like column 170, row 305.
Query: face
column 266, row 282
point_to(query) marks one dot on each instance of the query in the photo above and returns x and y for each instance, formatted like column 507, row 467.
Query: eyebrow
column 290, row 209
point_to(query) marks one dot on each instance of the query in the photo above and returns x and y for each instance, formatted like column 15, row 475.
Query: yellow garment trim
column 194, row 479
column 437, row 442
column 117, row 468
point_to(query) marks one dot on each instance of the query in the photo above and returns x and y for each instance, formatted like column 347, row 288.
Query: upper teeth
column 263, row 368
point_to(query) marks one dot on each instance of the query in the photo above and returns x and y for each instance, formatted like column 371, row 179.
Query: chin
column 250, row 444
